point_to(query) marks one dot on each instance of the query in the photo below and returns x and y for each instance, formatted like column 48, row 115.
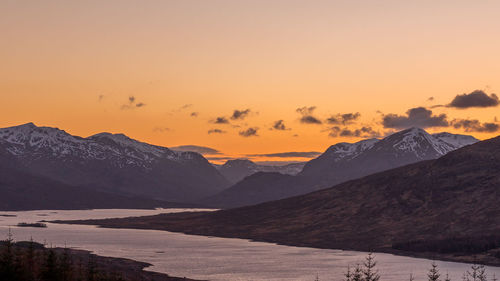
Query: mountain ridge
column 452, row 198
column 113, row 163
column 342, row 162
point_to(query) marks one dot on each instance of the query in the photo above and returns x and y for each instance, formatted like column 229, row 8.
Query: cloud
column 280, row 126
column 220, row 120
column 240, row 114
column 363, row 132
column 334, row 131
column 475, row 126
column 194, row 114
column 307, row 115
column 477, row 98
column 161, row 129
column 415, row 117
column 344, row 119
column 132, row 104
column 216, row 131
column 293, row 154
column 250, row 132
column 196, row 148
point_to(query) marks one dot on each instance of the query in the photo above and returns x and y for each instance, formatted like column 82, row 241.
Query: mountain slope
column 23, row 191
column 452, row 198
column 112, row 163
column 342, row 162
column 236, row 170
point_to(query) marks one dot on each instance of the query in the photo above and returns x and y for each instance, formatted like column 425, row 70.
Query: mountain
column 342, row 162
column 24, row 191
column 113, row 163
column 445, row 206
column 238, row 169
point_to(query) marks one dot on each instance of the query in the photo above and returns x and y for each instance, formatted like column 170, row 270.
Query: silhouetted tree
column 348, row 275
column 369, row 272
column 357, row 275
column 7, row 259
column 91, row 269
column 433, row 274
column 49, row 270
column 65, row 266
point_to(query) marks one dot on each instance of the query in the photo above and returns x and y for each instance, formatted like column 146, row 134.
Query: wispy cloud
column 279, row 125
column 197, row 148
column 474, row 125
column 161, row 129
column 344, row 119
column 240, row 114
column 307, row 115
column 132, row 103
column 216, row 131
column 250, row 132
column 292, row 154
column 220, row 120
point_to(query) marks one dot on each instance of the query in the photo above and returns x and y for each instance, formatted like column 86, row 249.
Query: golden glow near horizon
column 75, row 64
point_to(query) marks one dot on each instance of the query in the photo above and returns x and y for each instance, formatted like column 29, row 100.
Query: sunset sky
column 222, row 74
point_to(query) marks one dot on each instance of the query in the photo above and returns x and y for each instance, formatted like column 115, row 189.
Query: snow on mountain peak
column 414, row 140
column 29, row 139
column 344, row 149
column 456, row 140
column 127, row 142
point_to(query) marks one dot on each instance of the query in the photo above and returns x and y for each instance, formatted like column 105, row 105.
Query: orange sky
column 59, row 57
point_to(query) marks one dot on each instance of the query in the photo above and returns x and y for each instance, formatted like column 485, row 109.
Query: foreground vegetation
column 367, row 271
column 31, row 261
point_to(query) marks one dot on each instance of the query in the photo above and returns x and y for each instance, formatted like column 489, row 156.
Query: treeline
column 463, row 245
column 367, row 271
column 30, row 261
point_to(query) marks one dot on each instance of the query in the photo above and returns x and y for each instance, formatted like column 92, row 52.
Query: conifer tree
column 433, row 274
column 369, row 271
column 348, row 275
column 49, row 270
column 357, row 275
column 65, row 266
column 7, row 259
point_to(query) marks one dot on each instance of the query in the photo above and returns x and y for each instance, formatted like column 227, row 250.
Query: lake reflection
column 208, row 258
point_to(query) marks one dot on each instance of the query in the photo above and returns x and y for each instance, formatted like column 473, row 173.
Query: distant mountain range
column 447, row 205
column 342, row 162
column 236, row 170
column 21, row 190
column 122, row 168
column 111, row 163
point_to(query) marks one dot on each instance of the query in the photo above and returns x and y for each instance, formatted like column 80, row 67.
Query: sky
column 251, row 78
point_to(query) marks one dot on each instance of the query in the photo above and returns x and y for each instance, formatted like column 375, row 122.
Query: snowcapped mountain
column 238, row 169
column 343, row 162
column 456, row 141
column 111, row 162
column 346, row 151
column 399, row 149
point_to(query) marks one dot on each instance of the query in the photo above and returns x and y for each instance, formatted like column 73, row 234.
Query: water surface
column 210, row 258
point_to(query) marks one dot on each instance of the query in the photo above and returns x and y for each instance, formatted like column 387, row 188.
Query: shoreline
column 129, row 269
column 459, row 258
